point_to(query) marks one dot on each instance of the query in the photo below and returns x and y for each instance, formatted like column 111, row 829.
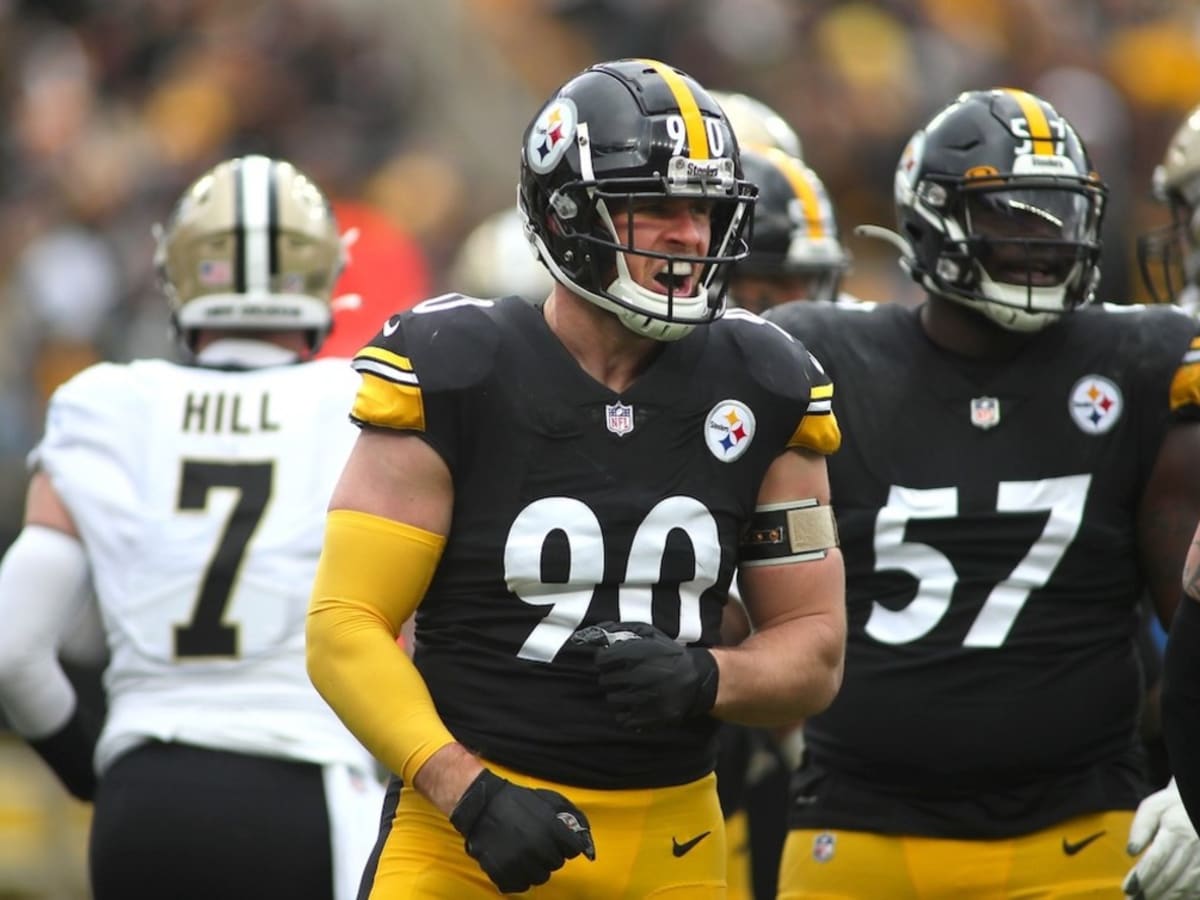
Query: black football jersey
column 987, row 520
column 574, row 505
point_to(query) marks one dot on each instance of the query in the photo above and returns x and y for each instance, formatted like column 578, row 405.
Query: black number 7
column 206, row 634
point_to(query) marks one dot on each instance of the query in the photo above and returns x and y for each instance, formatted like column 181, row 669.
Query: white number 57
column 1064, row 497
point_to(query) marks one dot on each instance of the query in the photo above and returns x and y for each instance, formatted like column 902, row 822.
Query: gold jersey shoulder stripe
column 1185, row 385
column 387, row 357
column 384, row 402
column 822, row 391
column 819, row 432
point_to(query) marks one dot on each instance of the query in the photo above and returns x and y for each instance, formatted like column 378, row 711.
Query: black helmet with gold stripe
column 621, row 133
column 795, row 230
column 998, row 203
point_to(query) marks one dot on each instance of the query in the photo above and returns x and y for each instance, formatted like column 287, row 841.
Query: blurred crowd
column 410, row 114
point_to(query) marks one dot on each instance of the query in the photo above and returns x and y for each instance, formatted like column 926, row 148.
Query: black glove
column 519, row 835
column 648, row 678
column 69, row 751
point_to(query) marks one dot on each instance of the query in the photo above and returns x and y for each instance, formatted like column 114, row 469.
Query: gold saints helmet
column 251, row 245
column 1170, row 256
column 758, row 125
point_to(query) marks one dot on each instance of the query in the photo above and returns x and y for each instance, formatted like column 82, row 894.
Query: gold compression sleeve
column 372, row 575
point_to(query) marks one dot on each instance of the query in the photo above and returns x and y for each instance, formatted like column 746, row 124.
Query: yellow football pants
column 1081, row 858
column 656, row 844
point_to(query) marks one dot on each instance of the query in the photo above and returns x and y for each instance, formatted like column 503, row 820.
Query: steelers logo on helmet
column 551, row 135
column 906, row 171
column 729, row 429
column 1096, row 404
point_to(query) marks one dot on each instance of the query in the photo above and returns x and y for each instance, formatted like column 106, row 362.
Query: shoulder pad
column 100, row 387
column 442, row 345
column 1172, row 333
column 1161, row 343
column 784, row 367
column 800, row 317
column 772, row 357
column 94, row 407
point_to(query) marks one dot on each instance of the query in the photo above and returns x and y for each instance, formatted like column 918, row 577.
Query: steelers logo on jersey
column 729, row 429
column 1096, row 404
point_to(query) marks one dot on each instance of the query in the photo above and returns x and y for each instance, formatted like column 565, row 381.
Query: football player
column 1170, row 257
column 1176, row 251
column 1017, row 470
column 191, row 497
column 796, row 253
column 562, row 492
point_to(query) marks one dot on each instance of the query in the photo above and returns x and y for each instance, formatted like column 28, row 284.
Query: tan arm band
column 782, row 533
column 372, row 575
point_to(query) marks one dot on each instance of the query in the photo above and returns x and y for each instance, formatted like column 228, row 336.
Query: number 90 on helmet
column 617, row 134
column 998, row 202
column 251, row 245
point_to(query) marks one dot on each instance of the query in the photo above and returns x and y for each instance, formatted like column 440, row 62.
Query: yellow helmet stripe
column 1039, row 128
column 693, row 121
column 793, row 171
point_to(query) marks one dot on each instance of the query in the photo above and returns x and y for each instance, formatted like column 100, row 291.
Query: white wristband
column 44, row 583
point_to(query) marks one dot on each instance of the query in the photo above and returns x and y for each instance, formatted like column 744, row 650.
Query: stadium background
column 410, row 113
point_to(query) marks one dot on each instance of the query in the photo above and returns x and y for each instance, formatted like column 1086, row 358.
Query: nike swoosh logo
column 680, row 849
column 1071, row 849
column 390, row 326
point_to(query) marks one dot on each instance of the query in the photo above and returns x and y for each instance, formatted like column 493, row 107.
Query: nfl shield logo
column 985, row 412
column 824, row 845
column 619, row 417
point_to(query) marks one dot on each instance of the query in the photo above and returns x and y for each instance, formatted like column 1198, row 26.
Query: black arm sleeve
column 1181, row 703
column 69, row 751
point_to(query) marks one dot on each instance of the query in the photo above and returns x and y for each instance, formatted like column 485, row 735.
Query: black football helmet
column 795, row 232
column 998, row 203
column 620, row 132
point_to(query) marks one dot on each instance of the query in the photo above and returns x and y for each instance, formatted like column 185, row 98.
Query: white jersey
column 200, row 495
